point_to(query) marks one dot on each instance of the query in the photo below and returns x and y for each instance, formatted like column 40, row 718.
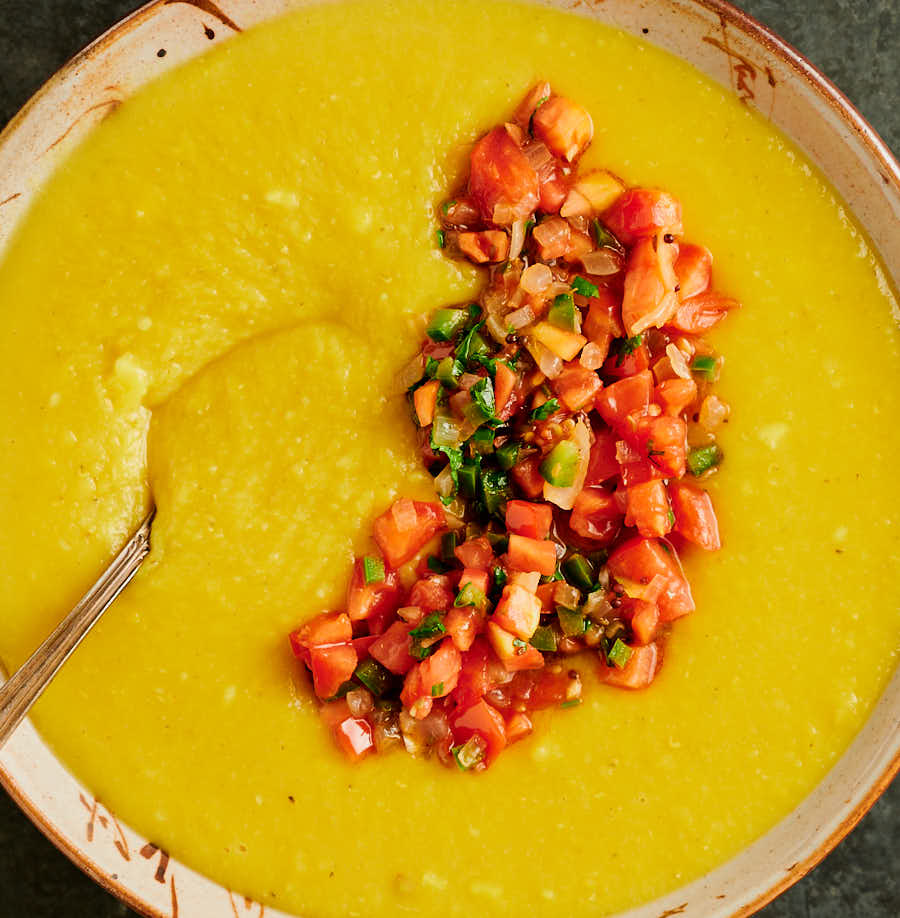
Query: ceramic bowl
column 720, row 41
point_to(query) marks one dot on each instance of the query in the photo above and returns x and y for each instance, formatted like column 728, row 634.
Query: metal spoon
column 22, row 689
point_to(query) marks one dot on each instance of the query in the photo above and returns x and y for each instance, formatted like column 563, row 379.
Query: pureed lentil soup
column 238, row 261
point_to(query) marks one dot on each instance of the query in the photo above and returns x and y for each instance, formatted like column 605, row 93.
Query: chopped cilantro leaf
column 544, row 411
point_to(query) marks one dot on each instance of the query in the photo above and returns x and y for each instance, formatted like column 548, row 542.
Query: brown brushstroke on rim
column 111, row 104
column 729, row 16
column 207, row 6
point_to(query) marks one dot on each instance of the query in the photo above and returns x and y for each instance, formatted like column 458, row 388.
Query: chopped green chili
column 448, row 547
column 446, row 323
column 470, row 595
column 705, row 366
column 448, row 371
column 435, row 565
column 482, row 441
column 571, row 703
column 563, row 313
column 508, row 454
column 619, row 654
column 495, row 490
column 437, row 690
column 375, row 677
column 373, row 569
column 500, row 577
column 544, row 639
column 572, row 622
column 499, row 541
column 470, row 753
column 703, row 459
column 441, row 238
column 468, row 476
column 578, row 571
column 431, row 626
column 561, row 464
column 472, row 344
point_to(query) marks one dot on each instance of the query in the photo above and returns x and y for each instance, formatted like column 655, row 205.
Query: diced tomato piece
column 554, row 190
column 565, row 128
column 695, row 518
column 502, row 182
column 545, row 593
column 637, row 561
column 528, row 477
column 634, row 466
column 518, row 727
column 369, row 600
column 643, row 616
column 701, row 312
column 485, row 246
column 576, row 386
column 362, row 644
column 463, row 624
column 405, row 527
column 650, row 299
column 325, row 629
column 648, row 509
column 513, row 652
column 518, row 611
column 596, row 515
column 391, row 649
column 603, row 321
column 505, row 382
column 476, row 554
column 603, row 464
column 479, row 579
column 528, row 580
column 663, row 440
column 439, row 673
column 332, row 665
column 639, row 671
column 474, row 679
column 529, row 519
column 620, row 365
column 619, row 400
column 643, row 212
column 353, row 735
column 526, row 554
column 425, row 401
column 484, row 720
column 674, row 395
column 693, row 268
column 432, row 593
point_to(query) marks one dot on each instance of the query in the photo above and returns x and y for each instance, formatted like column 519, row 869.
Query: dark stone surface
column 857, row 44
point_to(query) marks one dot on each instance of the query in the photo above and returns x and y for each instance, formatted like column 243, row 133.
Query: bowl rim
column 827, row 91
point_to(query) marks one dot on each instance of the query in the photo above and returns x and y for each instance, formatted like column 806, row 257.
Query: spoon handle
column 21, row 690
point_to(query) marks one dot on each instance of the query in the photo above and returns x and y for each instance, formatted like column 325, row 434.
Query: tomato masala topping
column 569, row 419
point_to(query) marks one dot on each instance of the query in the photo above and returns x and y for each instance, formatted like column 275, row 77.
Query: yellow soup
column 210, row 301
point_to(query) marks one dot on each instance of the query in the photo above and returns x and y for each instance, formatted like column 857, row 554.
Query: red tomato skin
column 695, row 518
column 326, row 629
column 639, row 560
column 693, row 268
column 643, row 617
column 505, row 382
column 564, row 126
column 553, row 193
column 642, row 212
column 391, row 649
column 596, row 515
column 619, row 400
column 362, row 644
column 518, row 611
column 366, row 600
column 332, row 665
column 476, row 553
column 484, row 720
column 464, row 624
column 525, row 554
column 528, row 477
column 675, row 395
column 663, row 441
column 620, row 366
column 700, row 313
column 431, row 594
column 603, row 464
column 438, row 674
column 529, row 519
column 518, row 727
column 647, row 509
column 474, row 679
column 398, row 546
column 639, row 671
column 352, row 735
column 576, row 386
column 513, row 657
column 479, row 579
column 649, row 299
column 501, row 179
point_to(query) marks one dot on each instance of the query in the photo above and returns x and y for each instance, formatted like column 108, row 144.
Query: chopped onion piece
column 537, row 154
column 548, row 363
column 566, row 595
column 575, row 205
column 360, row 702
column 411, row 373
column 454, row 512
column 713, row 412
column 565, row 497
column 467, row 380
column 679, row 364
column 404, row 513
column 592, row 356
column 443, row 482
column 602, row 262
column 520, row 318
column 535, row 279
column 497, row 328
column 517, row 239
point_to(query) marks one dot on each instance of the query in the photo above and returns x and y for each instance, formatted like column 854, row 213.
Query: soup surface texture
column 210, row 301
